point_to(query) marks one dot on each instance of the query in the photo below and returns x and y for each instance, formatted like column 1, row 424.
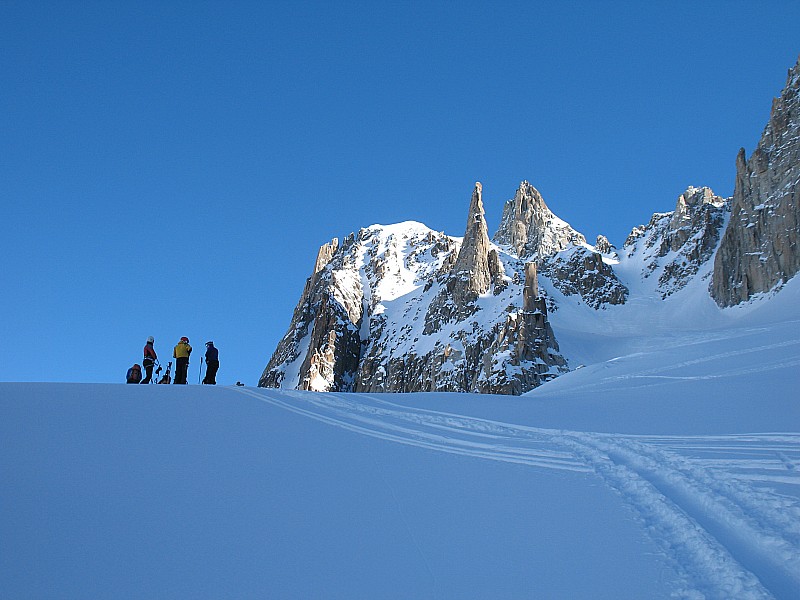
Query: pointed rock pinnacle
column 472, row 264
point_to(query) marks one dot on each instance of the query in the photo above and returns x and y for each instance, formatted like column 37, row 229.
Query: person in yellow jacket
column 181, row 356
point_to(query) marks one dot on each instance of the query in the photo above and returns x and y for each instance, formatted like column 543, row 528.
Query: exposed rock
column 526, row 344
column 333, row 351
column 325, row 255
column 529, row 229
column 603, row 246
column 523, row 355
column 323, row 338
column 472, row 265
column 497, row 272
column 694, row 217
column 403, row 309
column 513, row 356
column 580, row 271
column 530, row 293
column 675, row 245
column 759, row 250
column 638, row 232
column 476, row 268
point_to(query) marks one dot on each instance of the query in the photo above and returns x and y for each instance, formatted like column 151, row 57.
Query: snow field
column 668, row 467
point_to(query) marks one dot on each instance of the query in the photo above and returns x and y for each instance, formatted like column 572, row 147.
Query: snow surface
column 667, row 467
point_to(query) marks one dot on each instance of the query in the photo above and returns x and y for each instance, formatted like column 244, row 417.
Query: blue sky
column 171, row 169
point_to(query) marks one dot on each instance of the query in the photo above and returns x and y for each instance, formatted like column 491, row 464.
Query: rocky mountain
column 674, row 246
column 587, row 273
column 529, row 229
column 759, row 250
column 324, row 340
column 402, row 308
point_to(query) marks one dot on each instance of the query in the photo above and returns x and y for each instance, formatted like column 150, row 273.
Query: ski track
column 659, row 373
column 707, row 501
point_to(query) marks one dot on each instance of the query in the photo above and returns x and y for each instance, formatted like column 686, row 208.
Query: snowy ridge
column 388, row 281
column 584, row 272
column 392, row 284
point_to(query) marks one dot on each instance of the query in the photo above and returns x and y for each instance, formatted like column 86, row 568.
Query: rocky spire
column 477, row 267
column 530, row 293
column 472, row 265
column 697, row 217
column 603, row 246
column 325, row 254
column 530, row 229
column 761, row 246
column 527, row 343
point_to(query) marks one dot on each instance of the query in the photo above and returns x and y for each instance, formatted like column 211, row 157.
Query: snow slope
column 666, row 468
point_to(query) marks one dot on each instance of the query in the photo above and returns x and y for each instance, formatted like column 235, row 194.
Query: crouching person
column 134, row 374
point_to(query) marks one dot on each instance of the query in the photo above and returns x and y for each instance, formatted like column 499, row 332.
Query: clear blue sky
column 171, row 168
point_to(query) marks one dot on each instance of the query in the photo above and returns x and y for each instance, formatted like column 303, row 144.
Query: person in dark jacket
column 134, row 374
column 181, row 355
column 149, row 359
column 212, row 364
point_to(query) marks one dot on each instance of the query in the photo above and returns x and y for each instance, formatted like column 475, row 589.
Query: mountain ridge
column 404, row 308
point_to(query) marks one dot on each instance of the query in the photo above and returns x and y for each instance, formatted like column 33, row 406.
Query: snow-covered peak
column 674, row 247
column 402, row 229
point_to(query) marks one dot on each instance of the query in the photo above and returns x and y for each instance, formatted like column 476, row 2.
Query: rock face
column 321, row 349
column 759, row 250
column 524, row 353
column 603, row 246
column 477, row 266
column 674, row 246
column 471, row 271
column 529, row 229
column 583, row 272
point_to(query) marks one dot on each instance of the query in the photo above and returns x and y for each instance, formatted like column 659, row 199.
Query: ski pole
column 201, row 370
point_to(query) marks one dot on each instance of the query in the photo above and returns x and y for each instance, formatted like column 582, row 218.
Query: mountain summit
column 402, row 308
column 529, row 229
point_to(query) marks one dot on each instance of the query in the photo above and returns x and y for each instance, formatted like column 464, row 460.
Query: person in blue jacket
column 212, row 364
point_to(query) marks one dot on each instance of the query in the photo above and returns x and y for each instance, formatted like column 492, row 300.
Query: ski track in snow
column 660, row 372
column 707, row 501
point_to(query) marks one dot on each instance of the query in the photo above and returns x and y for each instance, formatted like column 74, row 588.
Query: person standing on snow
column 149, row 359
column 212, row 364
column 181, row 354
